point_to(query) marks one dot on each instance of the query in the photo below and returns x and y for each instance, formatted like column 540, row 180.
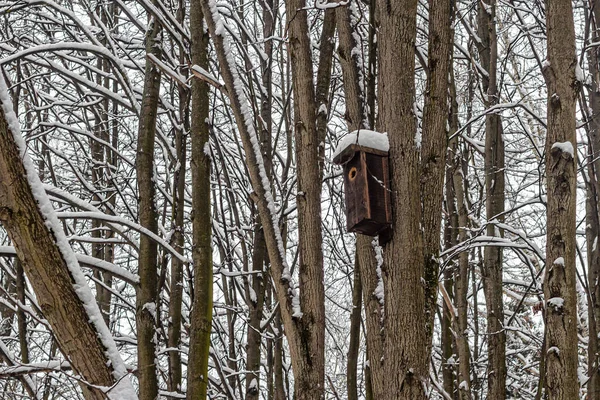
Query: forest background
column 173, row 224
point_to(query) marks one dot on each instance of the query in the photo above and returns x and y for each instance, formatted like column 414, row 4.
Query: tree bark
column 373, row 313
column 365, row 262
column 326, row 47
column 433, row 150
column 21, row 317
column 354, row 340
column 309, row 376
column 455, row 184
column 176, row 282
column 147, row 264
column 494, row 181
column 593, row 212
column 561, row 141
column 461, row 279
column 100, row 171
column 406, row 366
column 259, row 257
column 201, row 313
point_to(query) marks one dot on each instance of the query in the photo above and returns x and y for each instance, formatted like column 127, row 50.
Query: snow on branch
column 258, row 175
column 123, row 387
column 89, row 261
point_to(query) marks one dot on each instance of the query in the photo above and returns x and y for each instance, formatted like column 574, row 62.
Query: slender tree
column 494, row 183
column 201, row 313
column 147, row 293
column 434, row 148
column 355, row 116
column 176, row 283
column 593, row 209
column 302, row 316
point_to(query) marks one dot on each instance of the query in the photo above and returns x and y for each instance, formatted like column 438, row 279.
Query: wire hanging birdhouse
column 364, row 157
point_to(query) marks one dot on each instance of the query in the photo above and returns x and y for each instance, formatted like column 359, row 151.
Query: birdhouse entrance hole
column 352, row 174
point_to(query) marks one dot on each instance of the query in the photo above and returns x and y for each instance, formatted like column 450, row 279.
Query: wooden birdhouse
column 364, row 157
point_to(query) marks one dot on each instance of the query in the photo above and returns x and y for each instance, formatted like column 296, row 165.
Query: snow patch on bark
column 565, row 147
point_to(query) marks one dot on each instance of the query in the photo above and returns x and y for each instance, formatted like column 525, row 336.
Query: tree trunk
column 494, row 181
column 201, row 313
column 147, row 263
column 450, row 240
column 455, row 185
column 303, row 318
column 365, row 263
column 354, row 339
column 561, row 141
column 21, row 317
column 374, row 313
column 176, row 283
column 433, row 152
column 259, row 256
column 406, row 366
column 461, row 281
column 100, row 171
column 309, row 375
column 592, row 213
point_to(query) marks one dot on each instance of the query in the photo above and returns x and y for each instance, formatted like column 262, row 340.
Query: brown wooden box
column 367, row 189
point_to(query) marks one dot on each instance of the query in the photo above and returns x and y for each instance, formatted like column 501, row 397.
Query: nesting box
column 366, row 184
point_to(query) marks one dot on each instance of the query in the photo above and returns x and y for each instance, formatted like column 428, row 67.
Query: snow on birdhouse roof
column 364, row 138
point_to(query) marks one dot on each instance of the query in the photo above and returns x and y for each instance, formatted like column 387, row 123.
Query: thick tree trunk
column 494, row 181
column 201, row 313
column 561, row 172
column 406, row 365
column 46, row 266
column 309, row 375
column 147, row 263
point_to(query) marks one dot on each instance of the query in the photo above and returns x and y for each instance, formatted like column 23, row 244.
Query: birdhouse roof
column 361, row 140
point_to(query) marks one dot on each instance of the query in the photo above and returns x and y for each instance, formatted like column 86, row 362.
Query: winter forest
column 176, row 199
